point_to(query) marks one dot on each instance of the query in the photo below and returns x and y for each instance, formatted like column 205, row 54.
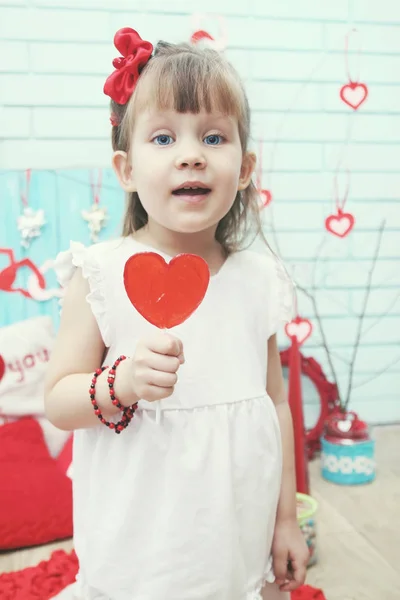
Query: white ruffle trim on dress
column 268, row 577
column 78, row 256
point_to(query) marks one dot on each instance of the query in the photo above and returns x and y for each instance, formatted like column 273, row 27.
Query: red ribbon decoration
column 96, row 187
column 135, row 54
column 25, row 194
column 296, row 409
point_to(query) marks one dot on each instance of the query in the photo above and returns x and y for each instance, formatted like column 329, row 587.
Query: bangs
column 191, row 81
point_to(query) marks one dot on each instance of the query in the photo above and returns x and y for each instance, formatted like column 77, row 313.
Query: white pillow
column 25, row 348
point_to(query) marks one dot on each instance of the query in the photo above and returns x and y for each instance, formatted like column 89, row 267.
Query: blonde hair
column 190, row 79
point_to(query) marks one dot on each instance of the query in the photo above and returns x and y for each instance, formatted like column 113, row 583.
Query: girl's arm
column 289, row 549
column 77, row 353
column 276, row 390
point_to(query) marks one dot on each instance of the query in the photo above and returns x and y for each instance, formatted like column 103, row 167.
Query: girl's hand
column 154, row 366
column 290, row 555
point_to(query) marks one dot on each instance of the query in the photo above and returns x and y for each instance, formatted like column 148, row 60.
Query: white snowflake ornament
column 30, row 223
column 96, row 217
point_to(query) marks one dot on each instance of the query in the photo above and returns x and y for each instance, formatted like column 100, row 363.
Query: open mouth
column 191, row 191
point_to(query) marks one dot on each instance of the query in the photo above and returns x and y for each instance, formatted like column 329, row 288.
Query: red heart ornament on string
column 340, row 224
column 166, row 294
column 2, row 367
column 299, row 328
column 354, row 94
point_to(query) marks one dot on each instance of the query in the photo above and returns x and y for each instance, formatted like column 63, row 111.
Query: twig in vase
column 346, row 361
column 377, row 373
column 379, row 319
column 317, row 257
column 362, row 314
column 311, row 297
column 323, row 336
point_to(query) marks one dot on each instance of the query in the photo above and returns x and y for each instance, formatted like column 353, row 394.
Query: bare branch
column 378, row 373
column 362, row 314
column 311, row 297
column 322, row 334
column 388, row 278
column 273, row 231
column 317, row 257
column 346, row 361
column 379, row 319
column 334, row 300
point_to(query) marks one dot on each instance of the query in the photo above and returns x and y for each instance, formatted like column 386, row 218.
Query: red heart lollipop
column 166, row 294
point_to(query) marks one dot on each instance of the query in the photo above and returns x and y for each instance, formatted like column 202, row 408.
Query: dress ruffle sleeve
column 78, row 256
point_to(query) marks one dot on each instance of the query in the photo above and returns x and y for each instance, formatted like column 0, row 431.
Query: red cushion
column 35, row 495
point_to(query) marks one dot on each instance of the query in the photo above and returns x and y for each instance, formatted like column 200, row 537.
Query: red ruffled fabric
column 306, row 592
column 135, row 54
column 51, row 576
column 42, row 582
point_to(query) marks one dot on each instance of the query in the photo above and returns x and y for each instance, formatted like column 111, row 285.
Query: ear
column 247, row 170
column 123, row 170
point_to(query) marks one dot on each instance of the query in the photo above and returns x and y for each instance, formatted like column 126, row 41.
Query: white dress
column 181, row 505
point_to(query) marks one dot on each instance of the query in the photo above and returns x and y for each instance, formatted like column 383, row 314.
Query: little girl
column 194, row 499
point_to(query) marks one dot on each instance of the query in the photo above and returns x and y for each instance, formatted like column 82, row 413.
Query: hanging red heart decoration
column 200, row 35
column 354, row 94
column 299, row 328
column 340, row 224
column 2, row 367
column 265, row 198
column 166, row 294
column 202, row 23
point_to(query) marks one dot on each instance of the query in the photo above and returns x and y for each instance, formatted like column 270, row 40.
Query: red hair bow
column 135, row 54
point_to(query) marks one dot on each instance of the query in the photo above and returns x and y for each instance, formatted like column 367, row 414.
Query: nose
column 191, row 157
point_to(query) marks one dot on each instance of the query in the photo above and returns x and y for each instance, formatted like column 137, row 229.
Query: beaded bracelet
column 128, row 412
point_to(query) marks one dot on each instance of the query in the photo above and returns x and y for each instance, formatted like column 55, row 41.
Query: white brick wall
column 56, row 54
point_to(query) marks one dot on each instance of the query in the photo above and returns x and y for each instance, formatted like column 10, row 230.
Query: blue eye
column 163, row 140
column 213, row 140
